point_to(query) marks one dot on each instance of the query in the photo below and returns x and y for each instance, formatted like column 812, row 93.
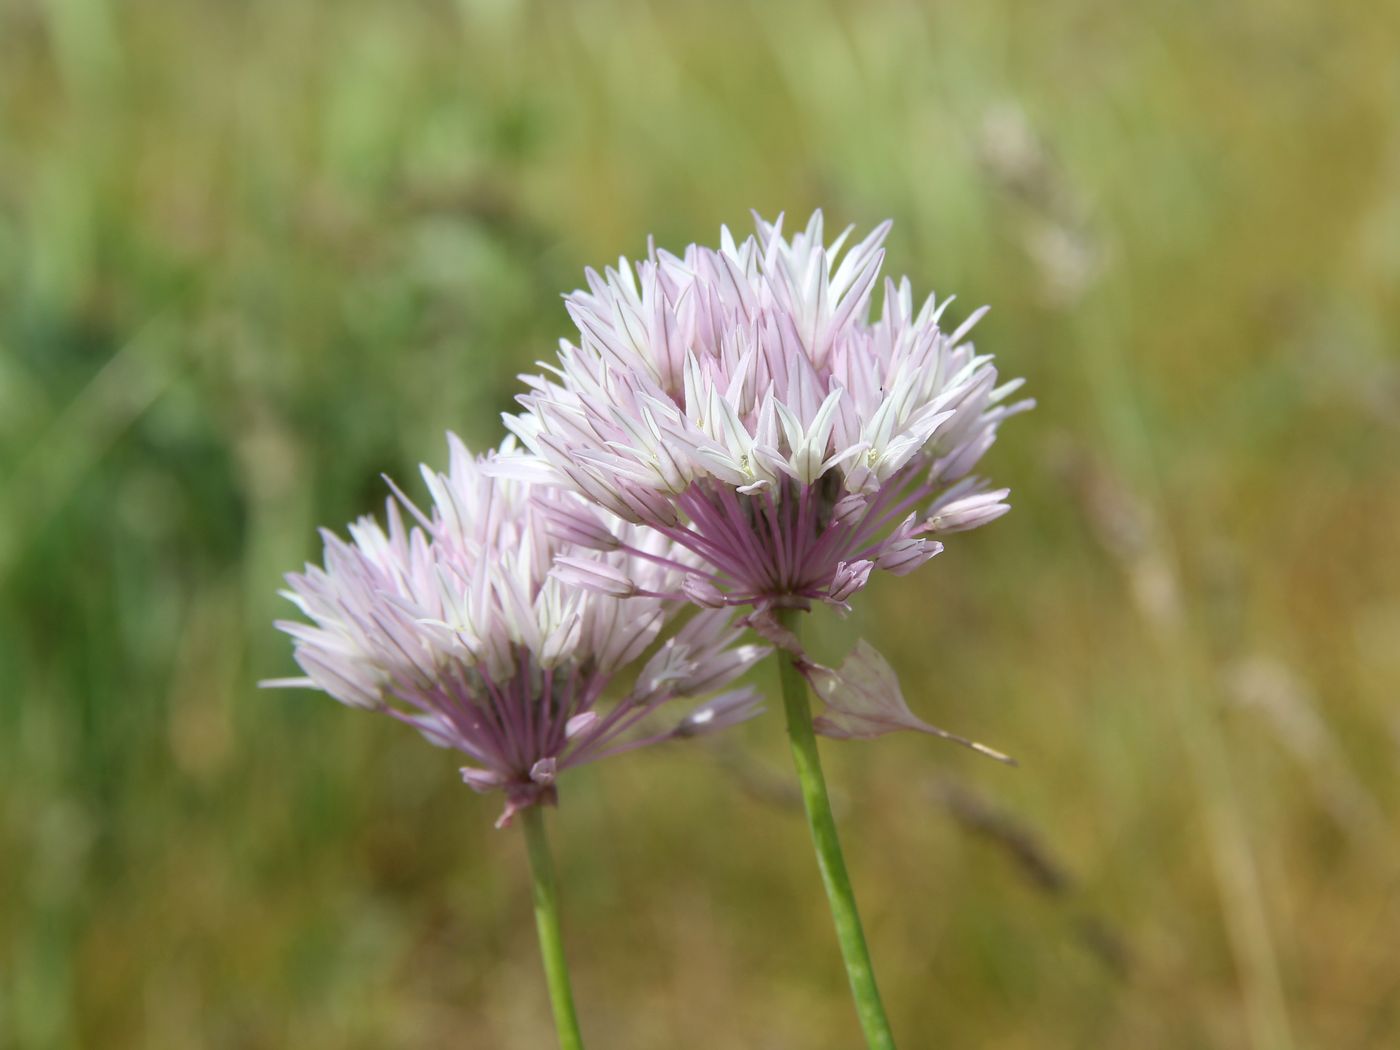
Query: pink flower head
column 742, row 402
column 469, row 628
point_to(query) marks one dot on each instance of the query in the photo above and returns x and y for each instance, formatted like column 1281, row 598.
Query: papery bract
column 863, row 700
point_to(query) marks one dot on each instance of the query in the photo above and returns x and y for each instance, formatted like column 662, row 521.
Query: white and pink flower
column 741, row 402
column 468, row 627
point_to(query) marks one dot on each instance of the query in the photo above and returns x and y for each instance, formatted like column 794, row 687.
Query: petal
column 725, row 710
column 596, row 576
column 482, row 780
column 579, row 724
column 849, row 578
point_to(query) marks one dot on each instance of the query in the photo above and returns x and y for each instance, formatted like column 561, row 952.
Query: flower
column 468, row 628
column 741, row 402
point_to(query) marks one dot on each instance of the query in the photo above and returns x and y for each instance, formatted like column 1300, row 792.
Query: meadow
column 253, row 255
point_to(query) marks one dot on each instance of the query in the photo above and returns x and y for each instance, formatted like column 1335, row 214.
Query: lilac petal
column 596, row 576
column 579, row 724
column 701, row 657
column 903, row 556
column 863, row 700
column 482, row 780
column 569, row 522
column 712, row 670
column 849, row 578
column 703, row 592
column 725, row 710
column 969, row 512
column 437, row 730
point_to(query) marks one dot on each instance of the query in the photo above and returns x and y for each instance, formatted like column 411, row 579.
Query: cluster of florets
column 466, row 627
column 740, row 402
column 730, row 429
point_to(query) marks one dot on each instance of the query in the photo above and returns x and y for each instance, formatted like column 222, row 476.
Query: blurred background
column 253, row 254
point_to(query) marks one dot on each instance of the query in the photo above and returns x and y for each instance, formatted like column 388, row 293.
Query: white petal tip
column 287, row 683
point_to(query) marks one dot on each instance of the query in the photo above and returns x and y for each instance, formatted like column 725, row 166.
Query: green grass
column 252, row 255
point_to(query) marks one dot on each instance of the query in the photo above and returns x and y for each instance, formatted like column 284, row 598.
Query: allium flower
column 470, row 627
column 741, row 402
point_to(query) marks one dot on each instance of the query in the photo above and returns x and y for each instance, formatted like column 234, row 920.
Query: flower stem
column 556, row 970
column 839, row 893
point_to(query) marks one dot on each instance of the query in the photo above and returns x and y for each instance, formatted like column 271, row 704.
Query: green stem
column 833, row 866
column 556, row 970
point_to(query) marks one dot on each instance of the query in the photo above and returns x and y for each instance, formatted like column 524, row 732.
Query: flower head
column 470, row 627
column 742, row 402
